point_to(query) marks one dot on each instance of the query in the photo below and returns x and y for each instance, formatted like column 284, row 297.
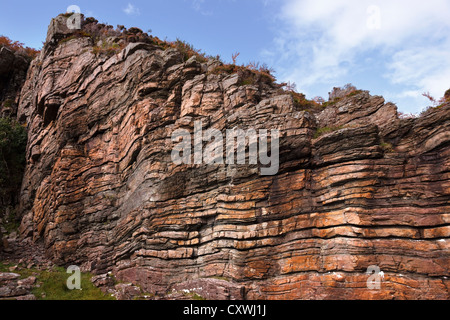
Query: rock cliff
column 356, row 185
column 13, row 71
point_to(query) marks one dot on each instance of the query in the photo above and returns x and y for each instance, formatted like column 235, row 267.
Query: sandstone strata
column 101, row 191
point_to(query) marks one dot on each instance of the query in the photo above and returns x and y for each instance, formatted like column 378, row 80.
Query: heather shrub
column 18, row 47
column 436, row 104
column 252, row 73
column 188, row 50
column 301, row 103
column 339, row 93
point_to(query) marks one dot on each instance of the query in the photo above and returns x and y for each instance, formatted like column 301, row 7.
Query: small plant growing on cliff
column 436, row 104
column 76, row 35
column 107, row 49
column 387, row 147
column 430, row 97
column 188, row 50
column 290, row 86
column 300, row 101
column 338, row 93
column 252, row 73
column 321, row 131
column 234, row 57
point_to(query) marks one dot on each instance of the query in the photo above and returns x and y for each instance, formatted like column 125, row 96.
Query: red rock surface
column 101, row 190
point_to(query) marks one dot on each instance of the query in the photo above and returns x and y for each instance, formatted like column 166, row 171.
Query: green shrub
column 13, row 141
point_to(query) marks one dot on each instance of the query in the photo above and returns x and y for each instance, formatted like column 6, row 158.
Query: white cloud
column 427, row 67
column 323, row 40
column 131, row 10
column 198, row 6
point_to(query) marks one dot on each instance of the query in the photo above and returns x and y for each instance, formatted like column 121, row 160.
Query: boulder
column 58, row 29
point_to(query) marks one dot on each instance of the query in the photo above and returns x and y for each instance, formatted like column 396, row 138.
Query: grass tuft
column 387, row 147
column 325, row 130
column 53, row 284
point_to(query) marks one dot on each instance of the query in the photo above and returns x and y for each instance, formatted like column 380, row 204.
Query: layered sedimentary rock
column 101, row 189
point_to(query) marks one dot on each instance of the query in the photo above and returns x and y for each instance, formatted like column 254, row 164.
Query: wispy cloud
column 132, row 10
column 199, row 6
column 325, row 40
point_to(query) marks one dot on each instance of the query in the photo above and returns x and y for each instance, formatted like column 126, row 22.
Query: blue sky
column 398, row 49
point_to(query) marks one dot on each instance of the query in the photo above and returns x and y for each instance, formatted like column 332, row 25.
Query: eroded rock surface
column 102, row 191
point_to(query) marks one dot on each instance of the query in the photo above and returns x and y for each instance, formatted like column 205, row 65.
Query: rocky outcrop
column 14, row 63
column 13, row 71
column 101, row 190
column 14, row 288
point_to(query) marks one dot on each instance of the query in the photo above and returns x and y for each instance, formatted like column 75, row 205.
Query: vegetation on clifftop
column 18, row 47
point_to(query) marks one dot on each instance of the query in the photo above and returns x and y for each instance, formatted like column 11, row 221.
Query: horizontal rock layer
column 102, row 191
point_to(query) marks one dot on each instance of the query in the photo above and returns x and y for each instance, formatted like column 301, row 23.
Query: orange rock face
column 102, row 191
